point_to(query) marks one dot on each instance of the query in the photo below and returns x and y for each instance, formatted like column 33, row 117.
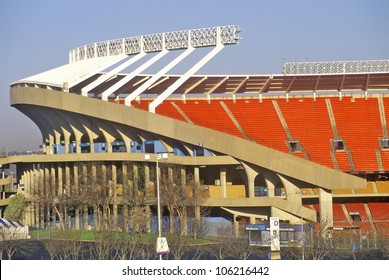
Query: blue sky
column 36, row 36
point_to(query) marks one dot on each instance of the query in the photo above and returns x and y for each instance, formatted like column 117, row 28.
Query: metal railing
column 336, row 67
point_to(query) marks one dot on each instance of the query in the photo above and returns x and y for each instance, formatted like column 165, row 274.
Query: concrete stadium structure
column 308, row 145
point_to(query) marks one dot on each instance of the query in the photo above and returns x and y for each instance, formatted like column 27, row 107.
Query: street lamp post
column 160, row 239
column 158, row 198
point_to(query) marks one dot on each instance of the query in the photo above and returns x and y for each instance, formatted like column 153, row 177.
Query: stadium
column 309, row 145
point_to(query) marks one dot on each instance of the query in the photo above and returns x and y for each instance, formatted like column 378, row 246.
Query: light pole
column 162, row 246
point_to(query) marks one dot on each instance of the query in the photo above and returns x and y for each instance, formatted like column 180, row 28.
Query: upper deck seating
column 308, row 122
column 354, row 118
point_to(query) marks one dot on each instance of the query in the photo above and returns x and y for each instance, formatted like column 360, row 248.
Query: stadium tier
column 256, row 145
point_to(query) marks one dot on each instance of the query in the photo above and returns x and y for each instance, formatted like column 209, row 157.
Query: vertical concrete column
column 196, row 174
column 95, row 206
column 147, row 178
column 135, row 183
column 125, row 197
column 68, row 186
column 41, row 191
column 33, row 191
column 223, row 182
column 197, row 210
column 184, row 222
column 104, row 174
column 27, row 190
column 85, row 210
column 270, row 187
column 293, row 193
column 76, row 191
column 114, row 193
column 251, row 174
column 92, row 144
column 57, row 181
column 236, row 226
column 47, row 186
column 27, row 193
column 326, row 210
column 66, row 137
column 57, row 137
column 60, row 180
column 28, row 182
column 53, row 179
column 147, row 187
column 49, row 147
column 78, row 136
column 252, row 220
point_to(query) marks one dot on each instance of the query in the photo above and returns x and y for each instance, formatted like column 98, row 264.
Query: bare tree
column 11, row 244
column 180, row 194
column 239, row 247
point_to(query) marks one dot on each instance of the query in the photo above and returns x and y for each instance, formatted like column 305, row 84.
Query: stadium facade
column 310, row 144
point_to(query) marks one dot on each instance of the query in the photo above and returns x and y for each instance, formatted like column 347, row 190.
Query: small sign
column 162, row 246
column 274, row 233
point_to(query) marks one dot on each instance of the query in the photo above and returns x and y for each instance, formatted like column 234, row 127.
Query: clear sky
column 36, row 36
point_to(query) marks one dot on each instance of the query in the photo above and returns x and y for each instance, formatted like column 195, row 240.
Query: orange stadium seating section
column 260, row 122
column 357, row 121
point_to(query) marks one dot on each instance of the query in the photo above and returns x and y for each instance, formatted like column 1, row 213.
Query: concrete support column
column 109, row 139
column 85, row 208
column 196, row 175
column 251, row 174
column 41, row 190
column 95, row 207
column 147, row 178
column 46, row 183
column 49, row 147
column 33, row 192
column 53, row 179
column 27, row 190
column 293, row 193
column 76, row 191
column 223, row 182
column 326, row 210
column 236, row 226
column 197, row 210
column 66, row 138
column 184, row 222
column 114, row 193
column 61, row 189
column 78, row 136
column 271, row 180
column 135, row 183
column 125, row 196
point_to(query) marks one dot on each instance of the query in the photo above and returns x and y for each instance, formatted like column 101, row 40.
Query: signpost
column 275, row 238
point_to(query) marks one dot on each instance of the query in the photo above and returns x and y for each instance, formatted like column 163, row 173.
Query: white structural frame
column 129, row 77
column 162, row 43
column 196, row 38
column 151, row 81
column 153, row 105
column 336, row 67
column 112, row 73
